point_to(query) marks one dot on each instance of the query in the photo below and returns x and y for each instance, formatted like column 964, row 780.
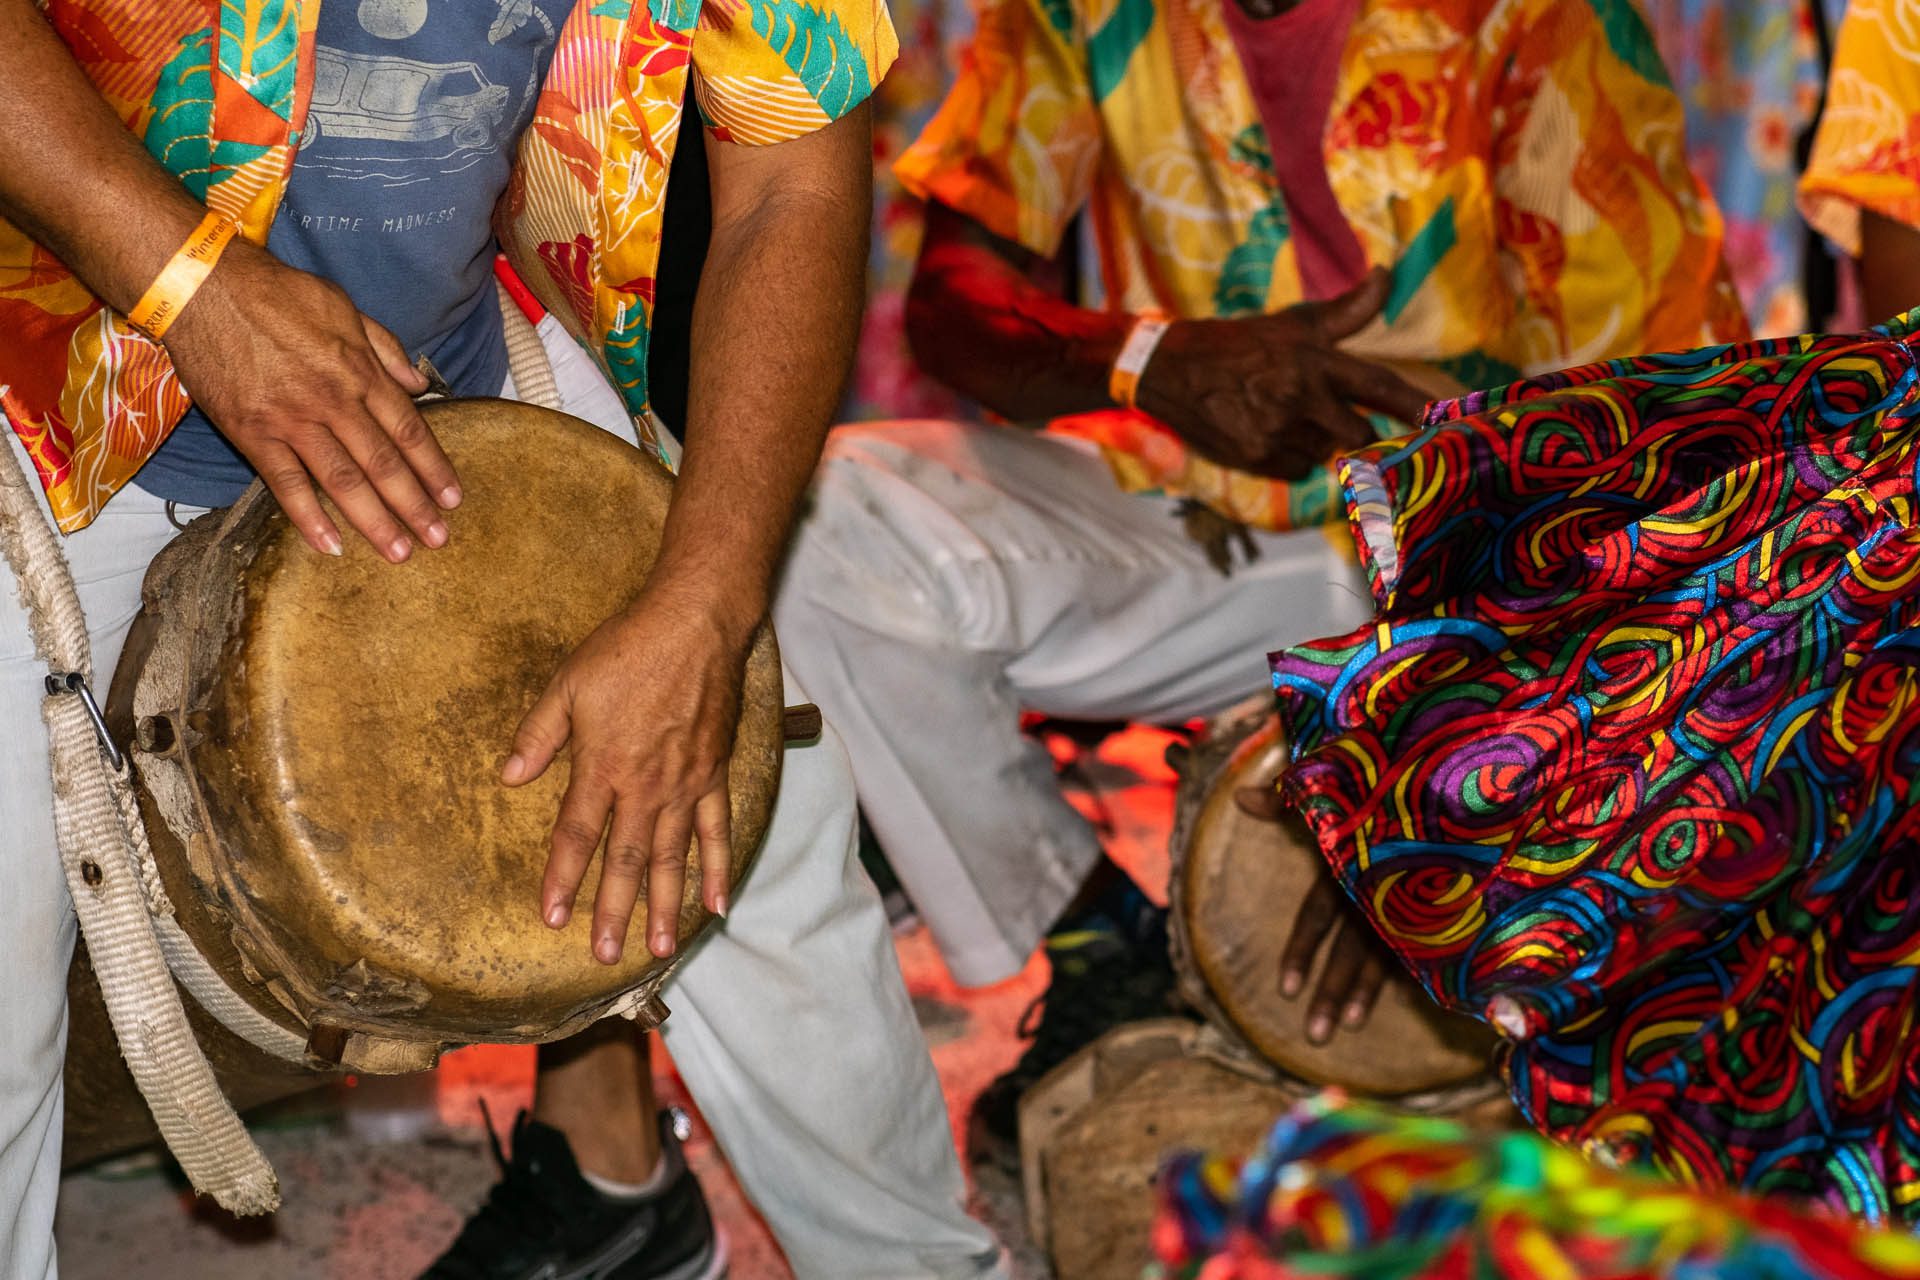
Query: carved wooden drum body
column 1236, row 883
column 318, row 742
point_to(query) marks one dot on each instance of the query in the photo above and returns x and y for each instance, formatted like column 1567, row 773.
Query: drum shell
column 1226, row 879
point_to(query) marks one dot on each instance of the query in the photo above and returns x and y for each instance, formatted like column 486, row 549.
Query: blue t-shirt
column 408, row 145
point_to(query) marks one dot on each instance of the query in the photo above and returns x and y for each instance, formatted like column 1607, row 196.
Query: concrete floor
column 377, row 1178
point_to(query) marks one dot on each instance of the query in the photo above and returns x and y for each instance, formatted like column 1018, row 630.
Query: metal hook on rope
column 59, row 682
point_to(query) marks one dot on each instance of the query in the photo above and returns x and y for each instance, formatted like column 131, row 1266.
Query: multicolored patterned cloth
column 1627, row 764
column 1749, row 76
column 1519, row 165
column 218, row 89
column 1866, row 154
column 1350, row 1190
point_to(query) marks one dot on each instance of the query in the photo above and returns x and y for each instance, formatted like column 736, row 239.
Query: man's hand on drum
column 1357, row 963
column 647, row 705
column 310, row 390
column 1274, row 394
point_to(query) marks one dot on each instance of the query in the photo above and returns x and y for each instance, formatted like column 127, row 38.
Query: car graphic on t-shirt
column 361, row 95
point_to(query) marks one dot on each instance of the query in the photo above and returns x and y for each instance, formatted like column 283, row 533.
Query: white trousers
column 791, row 1024
column 947, row 577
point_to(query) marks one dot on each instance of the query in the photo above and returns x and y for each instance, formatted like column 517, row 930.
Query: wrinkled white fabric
column 947, row 577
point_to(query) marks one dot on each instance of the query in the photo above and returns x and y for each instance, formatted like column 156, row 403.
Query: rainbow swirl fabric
column 1626, row 765
column 1349, row 1190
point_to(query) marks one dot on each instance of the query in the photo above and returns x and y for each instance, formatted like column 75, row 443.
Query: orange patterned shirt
column 1519, row 164
column 218, row 90
column 1866, row 154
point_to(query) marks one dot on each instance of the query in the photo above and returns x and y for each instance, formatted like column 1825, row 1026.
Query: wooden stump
column 1094, row 1131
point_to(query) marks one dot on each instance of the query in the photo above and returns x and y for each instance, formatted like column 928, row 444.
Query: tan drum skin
column 1235, row 885
column 345, row 855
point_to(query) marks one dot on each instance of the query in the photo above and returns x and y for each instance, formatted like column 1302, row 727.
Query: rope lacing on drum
column 103, row 854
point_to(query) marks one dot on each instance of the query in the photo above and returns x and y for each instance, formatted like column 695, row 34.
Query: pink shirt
column 1292, row 60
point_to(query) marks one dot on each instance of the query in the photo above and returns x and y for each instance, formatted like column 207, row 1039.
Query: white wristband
column 1123, row 384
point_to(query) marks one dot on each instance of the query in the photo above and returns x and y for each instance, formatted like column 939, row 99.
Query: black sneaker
column 1101, row 978
column 543, row 1221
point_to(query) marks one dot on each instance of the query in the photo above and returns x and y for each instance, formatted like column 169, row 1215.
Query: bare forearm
column 774, row 328
column 71, row 175
column 978, row 324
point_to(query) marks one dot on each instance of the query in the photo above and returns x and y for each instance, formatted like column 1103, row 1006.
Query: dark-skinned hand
column 648, row 705
column 1357, row 962
column 311, row 391
column 1274, row 394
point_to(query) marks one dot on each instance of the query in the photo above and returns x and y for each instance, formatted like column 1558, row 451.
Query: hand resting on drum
column 308, row 389
column 1274, row 394
column 672, row 663
column 1357, row 963
column 304, row 386
column 649, row 704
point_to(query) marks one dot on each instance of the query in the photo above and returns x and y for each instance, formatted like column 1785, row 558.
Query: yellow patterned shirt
column 218, row 91
column 1866, row 154
column 1517, row 163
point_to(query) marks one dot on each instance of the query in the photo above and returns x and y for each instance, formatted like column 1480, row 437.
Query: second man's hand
column 647, row 706
column 1357, row 964
column 310, row 391
column 1274, row 394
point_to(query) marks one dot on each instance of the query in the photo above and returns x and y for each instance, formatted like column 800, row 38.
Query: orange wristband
column 1123, row 384
column 182, row 277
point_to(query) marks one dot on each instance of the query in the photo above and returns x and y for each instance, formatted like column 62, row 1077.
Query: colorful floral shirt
column 1519, row 164
column 1749, row 76
column 1866, row 154
column 218, row 90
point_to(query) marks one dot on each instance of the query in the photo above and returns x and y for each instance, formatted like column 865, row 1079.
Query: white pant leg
column 946, row 577
column 793, row 1030
column 37, row 927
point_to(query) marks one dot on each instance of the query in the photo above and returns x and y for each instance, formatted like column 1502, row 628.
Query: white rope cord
column 527, row 361
column 104, row 876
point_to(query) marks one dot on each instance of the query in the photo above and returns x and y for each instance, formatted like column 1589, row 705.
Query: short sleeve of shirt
column 1016, row 143
column 768, row 71
column 1866, row 154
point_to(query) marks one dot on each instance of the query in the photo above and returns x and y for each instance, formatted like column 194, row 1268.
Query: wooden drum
column 1236, row 883
column 317, row 743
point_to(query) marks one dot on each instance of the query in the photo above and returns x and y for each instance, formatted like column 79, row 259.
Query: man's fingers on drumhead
column 1337, row 983
column 292, row 488
column 1365, row 993
column 620, row 876
column 340, row 475
column 1310, row 924
column 542, row 732
column 713, row 828
column 667, row 879
column 576, row 834
column 405, row 426
column 388, row 470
